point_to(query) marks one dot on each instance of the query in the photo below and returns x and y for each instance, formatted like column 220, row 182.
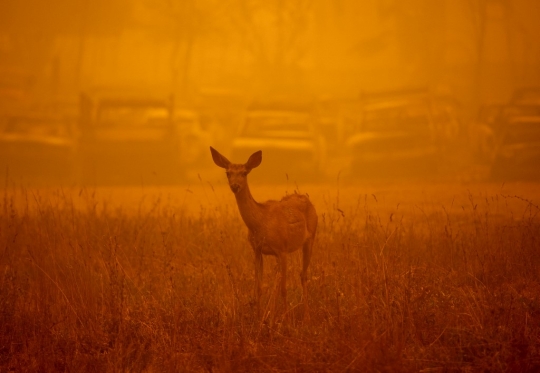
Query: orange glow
column 371, row 202
column 214, row 61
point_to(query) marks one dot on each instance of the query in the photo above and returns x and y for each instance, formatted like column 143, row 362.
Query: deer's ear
column 219, row 160
column 254, row 160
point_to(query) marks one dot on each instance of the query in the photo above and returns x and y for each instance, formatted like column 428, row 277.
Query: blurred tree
column 271, row 32
column 494, row 51
column 274, row 34
column 31, row 26
column 183, row 22
column 419, row 27
column 64, row 16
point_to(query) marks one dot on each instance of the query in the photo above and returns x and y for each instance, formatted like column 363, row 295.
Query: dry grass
column 404, row 278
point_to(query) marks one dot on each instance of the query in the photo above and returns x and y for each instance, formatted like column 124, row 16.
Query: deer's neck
column 251, row 211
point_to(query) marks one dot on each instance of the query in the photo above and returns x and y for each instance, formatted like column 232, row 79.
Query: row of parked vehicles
column 107, row 139
column 137, row 139
column 118, row 139
column 396, row 135
column 510, row 140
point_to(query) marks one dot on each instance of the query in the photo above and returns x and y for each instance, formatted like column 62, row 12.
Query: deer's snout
column 235, row 188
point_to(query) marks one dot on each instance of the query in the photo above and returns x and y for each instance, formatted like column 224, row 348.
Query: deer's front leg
column 282, row 258
column 258, row 279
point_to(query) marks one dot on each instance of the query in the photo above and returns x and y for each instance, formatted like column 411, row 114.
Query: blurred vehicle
column 329, row 123
column 220, row 113
column 15, row 89
column 402, row 135
column 488, row 128
column 517, row 155
column 285, row 132
column 482, row 133
column 508, row 136
column 194, row 140
column 37, row 148
column 529, row 96
column 128, row 139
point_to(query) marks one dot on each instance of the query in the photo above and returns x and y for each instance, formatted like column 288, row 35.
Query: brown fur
column 274, row 227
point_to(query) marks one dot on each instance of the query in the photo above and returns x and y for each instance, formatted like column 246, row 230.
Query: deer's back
column 289, row 223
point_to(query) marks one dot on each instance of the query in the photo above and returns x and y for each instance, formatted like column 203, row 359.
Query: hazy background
column 477, row 51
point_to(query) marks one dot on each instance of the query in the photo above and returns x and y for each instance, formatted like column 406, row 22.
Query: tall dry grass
column 440, row 278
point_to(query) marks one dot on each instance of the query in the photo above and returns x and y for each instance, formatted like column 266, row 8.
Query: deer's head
column 237, row 173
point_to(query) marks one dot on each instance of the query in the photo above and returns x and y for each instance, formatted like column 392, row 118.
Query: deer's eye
column 244, row 173
column 228, row 174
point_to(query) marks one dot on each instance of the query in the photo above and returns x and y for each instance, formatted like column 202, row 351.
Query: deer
column 275, row 228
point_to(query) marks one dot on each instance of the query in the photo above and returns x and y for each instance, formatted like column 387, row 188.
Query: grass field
column 431, row 278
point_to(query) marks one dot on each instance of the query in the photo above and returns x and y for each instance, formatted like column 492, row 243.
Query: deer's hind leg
column 258, row 280
column 282, row 260
column 306, row 258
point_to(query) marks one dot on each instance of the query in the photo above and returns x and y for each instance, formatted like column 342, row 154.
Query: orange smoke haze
column 212, row 60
